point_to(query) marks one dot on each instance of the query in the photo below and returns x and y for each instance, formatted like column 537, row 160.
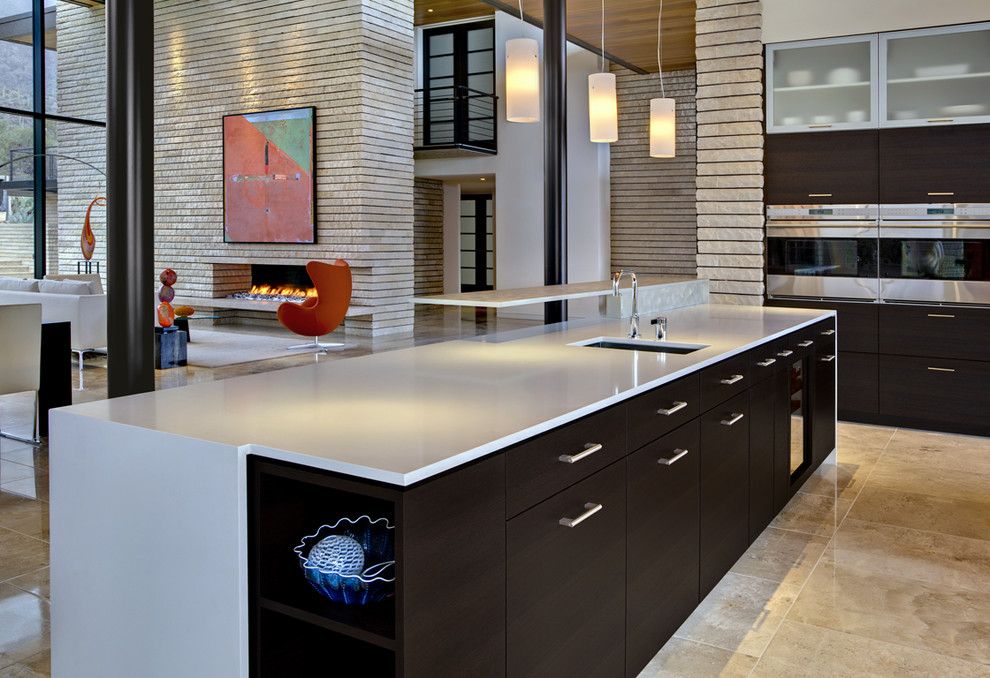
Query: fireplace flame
column 282, row 291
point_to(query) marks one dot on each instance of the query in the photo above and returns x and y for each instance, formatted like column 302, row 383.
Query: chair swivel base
column 315, row 345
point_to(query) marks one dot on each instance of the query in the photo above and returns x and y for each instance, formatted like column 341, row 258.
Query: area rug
column 212, row 348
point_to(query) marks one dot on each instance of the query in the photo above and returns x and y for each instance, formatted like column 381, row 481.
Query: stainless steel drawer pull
column 806, row 343
column 786, row 352
column 941, row 315
column 819, row 195
column 941, row 193
column 676, row 407
column 828, row 358
column 678, row 453
column 590, row 510
column 589, row 449
column 941, row 369
column 821, row 125
column 733, row 418
column 734, row 379
column 828, row 333
column 767, row 363
column 940, row 119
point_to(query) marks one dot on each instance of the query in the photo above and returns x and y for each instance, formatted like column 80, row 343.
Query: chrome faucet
column 634, row 320
column 660, row 325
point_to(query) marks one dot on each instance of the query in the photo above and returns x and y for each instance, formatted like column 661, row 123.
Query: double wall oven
column 927, row 253
column 823, row 251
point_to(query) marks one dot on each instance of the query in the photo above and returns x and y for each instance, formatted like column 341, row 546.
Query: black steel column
column 130, row 196
column 39, row 143
column 555, row 152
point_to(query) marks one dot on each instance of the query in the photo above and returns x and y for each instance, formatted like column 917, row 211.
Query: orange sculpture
column 323, row 313
column 166, row 314
column 184, row 311
column 87, row 241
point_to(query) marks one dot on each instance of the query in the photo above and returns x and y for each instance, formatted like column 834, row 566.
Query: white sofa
column 64, row 300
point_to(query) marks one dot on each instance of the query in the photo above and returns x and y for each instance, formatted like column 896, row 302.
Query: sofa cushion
column 18, row 285
column 95, row 285
column 64, row 287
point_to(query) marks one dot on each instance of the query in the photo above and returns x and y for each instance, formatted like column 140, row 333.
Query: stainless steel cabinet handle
column 677, row 407
column 940, row 119
column 828, row 358
column 735, row 378
column 786, row 352
column 678, row 453
column 767, row 363
column 941, row 369
column 733, row 418
column 806, row 343
column 941, row 192
column 589, row 449
column 819, row 195
column 590, row 510
column 941, row 315
column 828, row 333
column 821, row 125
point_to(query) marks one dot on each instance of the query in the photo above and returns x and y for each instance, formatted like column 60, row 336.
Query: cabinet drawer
column 945, row 159
column 663, row 409
column 764, row 361
column 565, row 586
column 935, row 331
column 542, row 467
column 662, row 546
column 936, row 391
column 832, row 168
column 858, row 386
column 857, row 323
column 762, row 399
column 724, row 380
column 724, row 494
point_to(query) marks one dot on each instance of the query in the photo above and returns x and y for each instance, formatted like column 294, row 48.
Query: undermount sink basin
column 626, row 344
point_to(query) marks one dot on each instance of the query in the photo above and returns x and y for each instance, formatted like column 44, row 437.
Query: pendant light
column 603, row 109
column 522, row 78
column 663, row 123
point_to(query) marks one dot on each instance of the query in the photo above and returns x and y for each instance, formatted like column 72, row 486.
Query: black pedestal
column 170, row 348
column 56, row 371
column 183, row 324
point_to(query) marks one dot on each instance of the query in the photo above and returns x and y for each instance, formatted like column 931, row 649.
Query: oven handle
column 776, row 230
column 936, row 231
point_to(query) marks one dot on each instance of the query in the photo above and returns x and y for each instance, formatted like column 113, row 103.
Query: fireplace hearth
column 277, row 282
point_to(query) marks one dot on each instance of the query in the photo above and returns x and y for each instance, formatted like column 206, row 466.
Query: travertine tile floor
column 880, row 566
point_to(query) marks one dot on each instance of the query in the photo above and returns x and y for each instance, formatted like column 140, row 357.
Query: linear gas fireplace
column 277, row 282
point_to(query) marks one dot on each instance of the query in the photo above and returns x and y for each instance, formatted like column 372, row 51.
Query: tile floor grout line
column 831, row 538
column 24, row 534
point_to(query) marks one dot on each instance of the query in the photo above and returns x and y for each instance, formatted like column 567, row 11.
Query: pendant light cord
column 663, row 93
column 521, row 18
column 603, row 36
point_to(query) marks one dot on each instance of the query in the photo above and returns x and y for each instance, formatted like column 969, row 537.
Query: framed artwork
column 269, row 187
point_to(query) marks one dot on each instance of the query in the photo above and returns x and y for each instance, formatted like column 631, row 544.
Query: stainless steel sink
column 626, row 344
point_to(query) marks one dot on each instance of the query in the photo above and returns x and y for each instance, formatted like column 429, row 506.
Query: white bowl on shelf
column 800, row 78
column 792, row 120
column 905, row 115
column 856, row 116
column 823, row 119
column 941, row 71
column 844, row 76
column 964, row 109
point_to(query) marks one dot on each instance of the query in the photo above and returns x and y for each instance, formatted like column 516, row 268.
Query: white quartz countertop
column 522, row 296
column 403, row 416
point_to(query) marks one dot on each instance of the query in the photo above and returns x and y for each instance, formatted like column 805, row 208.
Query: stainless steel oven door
column 836, row 260
column 933, row 261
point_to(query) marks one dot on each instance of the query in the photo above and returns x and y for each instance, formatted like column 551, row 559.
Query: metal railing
column 20, row 165
column 456, row 117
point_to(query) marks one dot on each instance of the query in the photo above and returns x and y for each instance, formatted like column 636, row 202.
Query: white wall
column 518, row 171
column 451, row 237
column 785, row 20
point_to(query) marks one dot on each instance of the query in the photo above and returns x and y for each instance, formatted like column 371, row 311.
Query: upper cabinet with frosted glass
column 822, row 84
column 935, row 76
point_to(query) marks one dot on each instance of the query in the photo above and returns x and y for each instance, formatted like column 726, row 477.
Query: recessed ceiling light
column 429, row 10
column 484, row 179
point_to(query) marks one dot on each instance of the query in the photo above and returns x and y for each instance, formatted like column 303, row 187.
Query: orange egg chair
column 323, row 313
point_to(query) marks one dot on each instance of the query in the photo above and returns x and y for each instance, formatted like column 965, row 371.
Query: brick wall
column 428, row 236
column 730, row 149
column 654, row 216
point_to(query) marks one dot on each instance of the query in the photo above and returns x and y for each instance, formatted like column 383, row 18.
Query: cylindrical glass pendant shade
column 522, row 80
column 603, row 109
column 663, row 128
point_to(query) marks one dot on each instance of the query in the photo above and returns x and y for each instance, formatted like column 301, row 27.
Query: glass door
column 477, row 243
column 822, row 84
column 936, row 76
column 800, row 451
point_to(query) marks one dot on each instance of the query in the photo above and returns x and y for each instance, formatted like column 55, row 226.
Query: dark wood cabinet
column 834, row 168
column 724, row 380
column 663, row 409
column 565, row 586
column 935, row 331
column 858, row 385
column 662, row 542
column 724, row 495
column 823, row 402
column 761, row 436
column 859, row 322
column 935, row 164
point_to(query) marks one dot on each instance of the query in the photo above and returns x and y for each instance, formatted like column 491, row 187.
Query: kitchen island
column 554, row 508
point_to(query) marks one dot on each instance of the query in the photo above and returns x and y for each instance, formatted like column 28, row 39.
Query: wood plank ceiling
column 630, row 26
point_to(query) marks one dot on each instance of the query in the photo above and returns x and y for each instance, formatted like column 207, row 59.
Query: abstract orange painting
column 269, row 191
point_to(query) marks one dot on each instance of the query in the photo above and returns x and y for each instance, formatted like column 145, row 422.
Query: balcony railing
column 20, row 166
column 456, row 117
